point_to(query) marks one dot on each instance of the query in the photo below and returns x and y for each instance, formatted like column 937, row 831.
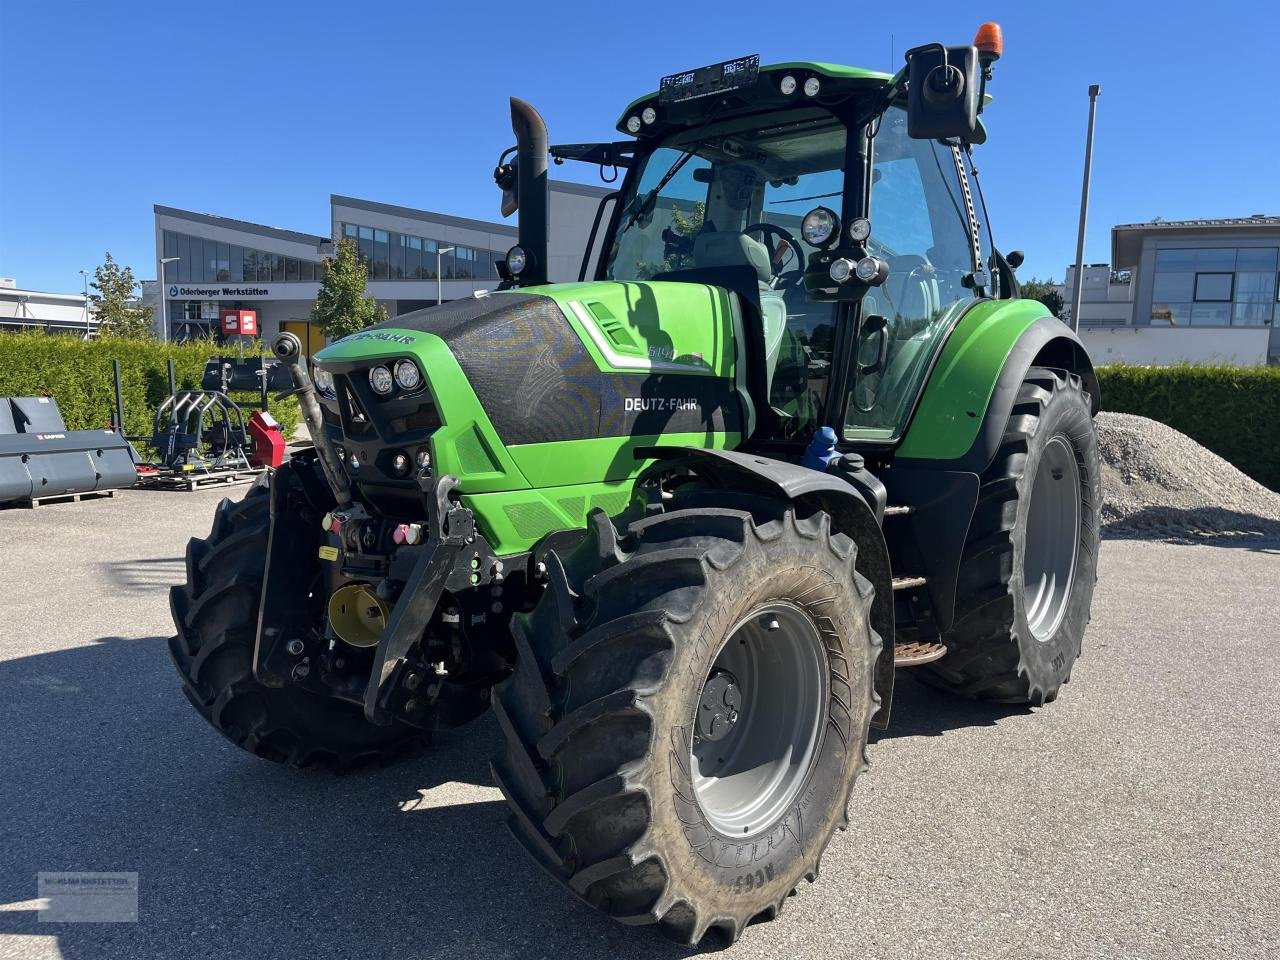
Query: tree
column 113, row 303
column 1046, row 292
column 341, row 307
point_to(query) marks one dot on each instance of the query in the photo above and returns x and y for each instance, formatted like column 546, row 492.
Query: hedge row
column 1234, row 411
column 78, row 375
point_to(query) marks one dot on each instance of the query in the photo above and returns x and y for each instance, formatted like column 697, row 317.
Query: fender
column 966, row 404
column 852, row 513
column 960, row 422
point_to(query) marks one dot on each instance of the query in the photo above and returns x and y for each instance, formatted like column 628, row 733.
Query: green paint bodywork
column 523, row 491
column 955, row 399
column 687, row 325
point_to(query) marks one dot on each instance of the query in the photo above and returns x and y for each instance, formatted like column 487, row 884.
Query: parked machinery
column 40, row 457
column 200, row 430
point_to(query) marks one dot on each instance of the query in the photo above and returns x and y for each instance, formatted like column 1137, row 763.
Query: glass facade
column 401, row 256
column 1215, row 286
column 207, row 261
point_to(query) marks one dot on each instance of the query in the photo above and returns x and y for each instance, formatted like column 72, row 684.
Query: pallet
column 32, row 502
column 192, row 481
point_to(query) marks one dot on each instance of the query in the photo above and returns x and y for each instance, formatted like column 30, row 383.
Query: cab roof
column 835, row 79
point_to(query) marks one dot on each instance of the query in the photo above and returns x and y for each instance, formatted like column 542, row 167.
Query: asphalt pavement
column 1135, row 817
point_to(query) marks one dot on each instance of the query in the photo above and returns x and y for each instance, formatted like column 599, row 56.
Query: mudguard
column 850, row 513
column 959, row 424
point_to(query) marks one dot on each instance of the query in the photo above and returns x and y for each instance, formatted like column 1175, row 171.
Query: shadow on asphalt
column 922, row 711
column 107, row 768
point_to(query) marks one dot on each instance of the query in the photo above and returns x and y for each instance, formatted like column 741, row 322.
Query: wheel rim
column 1052, row 538
column 759, row 719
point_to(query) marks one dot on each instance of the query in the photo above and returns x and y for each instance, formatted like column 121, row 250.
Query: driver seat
column 727, row 248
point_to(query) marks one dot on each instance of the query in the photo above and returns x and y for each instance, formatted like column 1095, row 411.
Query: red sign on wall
column 240, row 323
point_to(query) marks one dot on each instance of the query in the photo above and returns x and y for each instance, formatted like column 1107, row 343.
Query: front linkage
column 379, row 587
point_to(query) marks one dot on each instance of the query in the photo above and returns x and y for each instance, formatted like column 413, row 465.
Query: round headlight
column 400, row 463
column 353, row 462
column 868, row 269
column 649, row 115
column 323, row 379
column 812, row 86
column 787, row 85
column 819, row 226
column 633, row 124
column 424, row 459
column 517, row 260
column 859, row 229
column 841, row 270
column 408, row 375
column 380, row 380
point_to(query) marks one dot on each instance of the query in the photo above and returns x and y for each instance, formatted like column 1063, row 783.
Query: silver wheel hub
column 760, row 715
column 1052, row 538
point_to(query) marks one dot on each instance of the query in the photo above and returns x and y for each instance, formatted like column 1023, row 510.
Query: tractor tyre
column 216, row 614
column 1029, row 563
column 689, row 711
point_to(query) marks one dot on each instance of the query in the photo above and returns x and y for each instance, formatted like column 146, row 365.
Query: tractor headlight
column 408, row 376
column 400, row 463
column 633, row 124
column 812, row 86
column 381, row 381
column 859, row 229
column 787, row 85
column 871, row 270
column 841, row 270
column 517, row 259
column 649, row 116
column 323, row 380
column 819, row 226
column 424, row 459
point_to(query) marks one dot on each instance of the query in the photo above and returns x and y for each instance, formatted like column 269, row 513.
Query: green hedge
column 1234, row 411
column 78, row 375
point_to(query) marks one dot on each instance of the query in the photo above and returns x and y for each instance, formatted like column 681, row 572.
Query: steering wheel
column 783, row 234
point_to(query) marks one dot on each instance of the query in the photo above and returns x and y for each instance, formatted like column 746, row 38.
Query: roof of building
column 1126, row 238
column 1256, row 220
column 244, row 226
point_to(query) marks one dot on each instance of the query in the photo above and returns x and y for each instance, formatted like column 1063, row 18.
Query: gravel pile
column 1159, row 483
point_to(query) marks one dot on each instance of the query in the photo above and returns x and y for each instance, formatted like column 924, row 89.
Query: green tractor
column 678, row 523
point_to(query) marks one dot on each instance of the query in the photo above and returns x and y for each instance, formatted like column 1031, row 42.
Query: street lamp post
column 164, row 299
column 440, row 251
column 1078, row 291
column 85, row 275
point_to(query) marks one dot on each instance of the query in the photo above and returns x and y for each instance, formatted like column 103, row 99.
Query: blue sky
column 260, row 111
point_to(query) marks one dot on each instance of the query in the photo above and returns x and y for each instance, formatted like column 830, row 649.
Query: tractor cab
column 839, row 208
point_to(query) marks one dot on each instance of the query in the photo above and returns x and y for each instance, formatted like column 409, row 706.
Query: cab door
column 919, row 228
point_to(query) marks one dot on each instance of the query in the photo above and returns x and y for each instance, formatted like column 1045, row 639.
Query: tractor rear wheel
column 1030, row 561
column 689, row 711
column 216, row 614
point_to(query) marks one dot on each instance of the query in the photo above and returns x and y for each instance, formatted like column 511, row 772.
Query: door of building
column 307, row 332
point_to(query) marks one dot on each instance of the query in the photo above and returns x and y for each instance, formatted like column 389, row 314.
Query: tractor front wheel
column 216, row 615
column 1029, row 564
column 689, row 711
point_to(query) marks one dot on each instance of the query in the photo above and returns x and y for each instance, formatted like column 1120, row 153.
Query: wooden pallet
column 198, row 481
column 32, row 502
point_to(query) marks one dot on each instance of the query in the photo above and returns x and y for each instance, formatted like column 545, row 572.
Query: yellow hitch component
column 357, row 615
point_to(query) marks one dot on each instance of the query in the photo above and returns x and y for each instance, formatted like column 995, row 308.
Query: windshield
column 734, row 196
column 724, row 182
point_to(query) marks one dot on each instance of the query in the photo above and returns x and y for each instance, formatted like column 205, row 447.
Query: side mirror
column 944, row 92
column 506, row 176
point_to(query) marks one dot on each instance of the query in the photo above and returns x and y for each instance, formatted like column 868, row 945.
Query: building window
column 1215, row 286
column 400, row 256
column 207, row 261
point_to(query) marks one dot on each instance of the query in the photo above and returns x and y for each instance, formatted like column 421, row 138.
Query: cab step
column 914, row 653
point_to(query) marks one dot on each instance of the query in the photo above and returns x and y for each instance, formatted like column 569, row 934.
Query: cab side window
column 920, row 229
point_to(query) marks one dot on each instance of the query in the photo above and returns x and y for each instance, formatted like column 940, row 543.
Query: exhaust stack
column 531, row 173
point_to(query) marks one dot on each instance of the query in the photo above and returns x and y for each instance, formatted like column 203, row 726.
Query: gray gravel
column 1160, row 483
column 1134, row 817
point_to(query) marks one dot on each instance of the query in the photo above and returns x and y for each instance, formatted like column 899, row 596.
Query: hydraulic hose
column 289, row 349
